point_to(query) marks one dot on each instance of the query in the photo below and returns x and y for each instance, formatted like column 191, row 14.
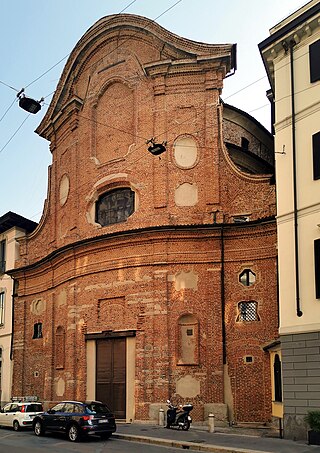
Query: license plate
column 103, row 421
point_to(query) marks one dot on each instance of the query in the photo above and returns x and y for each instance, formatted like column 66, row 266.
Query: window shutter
column 316, row 155
column 314, row 58
column 317, row 266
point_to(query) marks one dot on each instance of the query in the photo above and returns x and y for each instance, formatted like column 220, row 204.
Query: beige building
column 12, row 227
column 291, row 55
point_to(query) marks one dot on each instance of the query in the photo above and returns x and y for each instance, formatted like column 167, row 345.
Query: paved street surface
column 27, row 442
column 148, row 438
column 225, row 440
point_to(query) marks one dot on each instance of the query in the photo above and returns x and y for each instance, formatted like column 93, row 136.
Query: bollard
column 161, row 417
column 211, row 423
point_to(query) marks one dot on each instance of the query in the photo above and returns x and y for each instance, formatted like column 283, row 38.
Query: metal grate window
column 248, row 311
column 115, row 206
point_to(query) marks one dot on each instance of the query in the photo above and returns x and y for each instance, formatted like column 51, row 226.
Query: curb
column 183, row 444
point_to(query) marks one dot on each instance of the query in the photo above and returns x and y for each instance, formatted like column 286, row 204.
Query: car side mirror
column 51, row 411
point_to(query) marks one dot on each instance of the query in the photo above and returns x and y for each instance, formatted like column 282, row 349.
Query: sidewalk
column 223, row 440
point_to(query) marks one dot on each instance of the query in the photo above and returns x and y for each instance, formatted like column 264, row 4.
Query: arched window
column 60, row 347
column 188, row 340
column 277, row 378
column 115, row 206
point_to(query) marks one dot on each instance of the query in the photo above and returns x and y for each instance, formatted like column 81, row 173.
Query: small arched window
column 60, row 347
column 188, row 340
column 115, row 206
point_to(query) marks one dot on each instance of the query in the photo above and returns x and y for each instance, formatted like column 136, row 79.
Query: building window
column 37, row 330
column 2, row 256
column 314, row 58
column 241, row 218
column 115, row 206
column 188, row 340
column 316, row 155
column 248, row 311
column 317, row 267
column 2, row 296
column 247, row 277
column 244, row 143
column 277, row 379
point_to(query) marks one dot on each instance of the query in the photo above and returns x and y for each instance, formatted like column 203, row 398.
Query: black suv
column 76, row 419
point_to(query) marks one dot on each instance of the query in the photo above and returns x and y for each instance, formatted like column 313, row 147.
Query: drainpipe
column 223, row 303
column 292, row 43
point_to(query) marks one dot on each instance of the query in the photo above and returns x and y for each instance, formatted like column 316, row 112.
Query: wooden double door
column 111, row 374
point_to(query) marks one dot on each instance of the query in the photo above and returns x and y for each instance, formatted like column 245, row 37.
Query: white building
column 12, row 227
column 291, row 55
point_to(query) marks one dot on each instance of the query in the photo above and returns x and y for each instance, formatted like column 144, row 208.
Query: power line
column 168, row 9
column 14, row 100
column 124, row 9
column 245, row 87
column 9, row 86
column 15, row 133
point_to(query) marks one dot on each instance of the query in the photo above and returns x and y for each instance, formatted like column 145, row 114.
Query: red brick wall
column 92, row 278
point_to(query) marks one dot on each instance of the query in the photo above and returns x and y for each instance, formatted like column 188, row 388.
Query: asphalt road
column 27, row 442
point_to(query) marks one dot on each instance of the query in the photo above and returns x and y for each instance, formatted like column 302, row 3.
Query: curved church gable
column 137, row 265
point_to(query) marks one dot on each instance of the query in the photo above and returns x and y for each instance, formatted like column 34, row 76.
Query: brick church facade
column 150, row 276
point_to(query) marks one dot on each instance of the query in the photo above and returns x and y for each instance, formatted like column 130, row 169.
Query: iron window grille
column 248, row 311
column 115, row 206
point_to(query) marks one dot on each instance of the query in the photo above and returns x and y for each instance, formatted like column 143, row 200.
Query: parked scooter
column 179, row 417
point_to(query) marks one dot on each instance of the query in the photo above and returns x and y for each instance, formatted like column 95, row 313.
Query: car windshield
column 34, row 408
column 98, row 408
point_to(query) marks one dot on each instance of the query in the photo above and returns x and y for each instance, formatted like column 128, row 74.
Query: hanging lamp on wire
column 28, row 104
column 156, row 148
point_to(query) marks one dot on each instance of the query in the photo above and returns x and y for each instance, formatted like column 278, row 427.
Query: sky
column 36, row 36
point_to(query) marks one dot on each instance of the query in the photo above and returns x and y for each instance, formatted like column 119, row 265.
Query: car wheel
column 16, row 425
column 73, row 433
column 38, row 428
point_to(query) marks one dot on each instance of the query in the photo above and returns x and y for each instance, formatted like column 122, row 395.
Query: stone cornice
column 68, row 113
column 143, row 234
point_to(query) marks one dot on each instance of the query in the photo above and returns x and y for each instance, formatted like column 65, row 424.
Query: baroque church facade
column 150, row 276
